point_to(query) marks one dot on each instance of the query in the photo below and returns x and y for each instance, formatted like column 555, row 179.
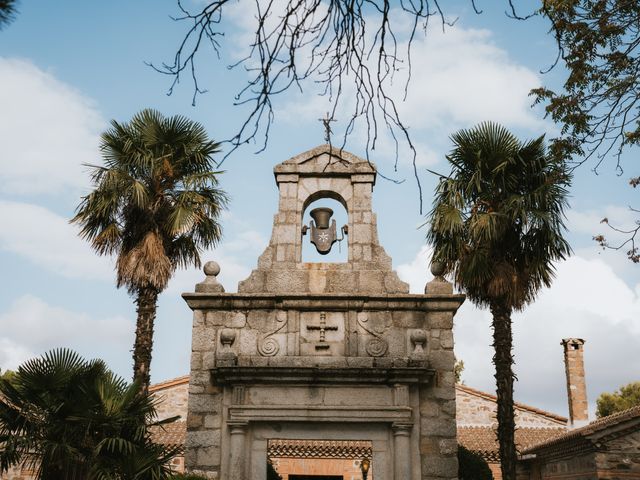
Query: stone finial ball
column 437, row 269
column 211, row 268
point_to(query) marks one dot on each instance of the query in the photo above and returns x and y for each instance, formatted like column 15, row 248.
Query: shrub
column 472, row 466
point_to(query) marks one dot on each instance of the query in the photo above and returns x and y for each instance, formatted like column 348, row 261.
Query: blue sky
column 67, row 68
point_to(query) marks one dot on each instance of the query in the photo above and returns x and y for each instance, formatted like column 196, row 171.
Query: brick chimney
column 576, row 385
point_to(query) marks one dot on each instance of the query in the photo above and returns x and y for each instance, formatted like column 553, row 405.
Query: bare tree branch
column 328, row 42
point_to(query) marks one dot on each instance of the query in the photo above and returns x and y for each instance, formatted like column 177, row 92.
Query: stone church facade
column 310, row 353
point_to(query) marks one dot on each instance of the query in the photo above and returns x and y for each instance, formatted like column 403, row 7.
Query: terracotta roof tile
column 169, row 383
column 169, row 434
column 577, row 439
column 483, row 440
column 558, row 418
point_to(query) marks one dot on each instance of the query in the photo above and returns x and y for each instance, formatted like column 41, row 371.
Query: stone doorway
column 319, row 459
column 315, row 477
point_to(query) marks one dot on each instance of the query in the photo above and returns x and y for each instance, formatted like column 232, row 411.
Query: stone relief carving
column 268, row 346
column 418, row 341
column 376, row 346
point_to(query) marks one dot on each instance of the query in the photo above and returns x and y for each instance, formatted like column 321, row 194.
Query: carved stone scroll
column 267, row 345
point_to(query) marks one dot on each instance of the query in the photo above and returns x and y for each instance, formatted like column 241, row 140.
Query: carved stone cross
column 323, row 327
column 326, row 122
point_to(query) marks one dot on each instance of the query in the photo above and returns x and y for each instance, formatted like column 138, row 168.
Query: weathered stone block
column 446, row 339
column 438, row 426
column 448, row 446
column 202, row 403
column 208, row 456
column 443, row 320
column 202, row 438
column 438, row 466
column 204, row 338
column 194, row 421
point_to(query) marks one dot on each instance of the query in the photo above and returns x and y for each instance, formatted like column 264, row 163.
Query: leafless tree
column 354, row 45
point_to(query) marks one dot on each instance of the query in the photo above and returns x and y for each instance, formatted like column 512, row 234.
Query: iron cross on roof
column 323, row 327
column 326, row 122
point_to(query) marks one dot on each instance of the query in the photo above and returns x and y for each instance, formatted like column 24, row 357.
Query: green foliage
column 155, row 205
column 272, row 474
column 458, row 368
column 497, row 219
column 598, row 108
column 496, row 228
column 7, row 12
column 7, row 374
column 156, row 202
column 187, row 476
column 472, row 466
column 626, row 397
column 70, row 418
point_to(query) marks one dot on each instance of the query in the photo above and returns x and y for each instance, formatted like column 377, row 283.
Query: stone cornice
column 334, row 301
column 234, row 375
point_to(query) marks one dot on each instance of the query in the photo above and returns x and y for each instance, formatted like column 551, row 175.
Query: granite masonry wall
column 475, row 408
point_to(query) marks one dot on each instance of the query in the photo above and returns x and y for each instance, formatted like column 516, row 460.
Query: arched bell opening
column 325, row 231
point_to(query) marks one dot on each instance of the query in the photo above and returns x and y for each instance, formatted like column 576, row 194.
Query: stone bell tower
column 322, row 370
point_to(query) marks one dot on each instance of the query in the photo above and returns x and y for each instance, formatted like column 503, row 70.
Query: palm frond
column 498, row 218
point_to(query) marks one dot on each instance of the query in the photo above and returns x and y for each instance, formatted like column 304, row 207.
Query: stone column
column 238, row 431
column 402, row 451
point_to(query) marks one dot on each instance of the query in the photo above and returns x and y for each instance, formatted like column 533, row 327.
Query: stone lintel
column 233, row 375
column 315, row 302
column 342, row 414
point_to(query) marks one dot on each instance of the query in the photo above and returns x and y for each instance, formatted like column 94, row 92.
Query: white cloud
column 583, row 225
column 236, row 256
column 461, row 77
column 587, row 300
column 48, row 240
column 416, row 273
column 48, row 131
column 31, row 327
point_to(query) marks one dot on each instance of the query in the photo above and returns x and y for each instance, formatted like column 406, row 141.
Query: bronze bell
column 321, row 216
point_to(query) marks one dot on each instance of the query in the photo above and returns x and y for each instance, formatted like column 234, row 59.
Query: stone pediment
column 326, row 160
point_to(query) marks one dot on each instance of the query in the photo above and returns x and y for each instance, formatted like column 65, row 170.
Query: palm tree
column 72, row 419
column 155, row 205
column 7, row 12
column 496, row 227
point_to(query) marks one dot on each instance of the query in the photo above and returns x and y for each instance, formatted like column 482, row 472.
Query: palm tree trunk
column 146, row 301
column 503, row 360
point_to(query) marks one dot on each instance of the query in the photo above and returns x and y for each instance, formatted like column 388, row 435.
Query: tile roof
column 169, row 383
column 582, row 438
column 483, row 440
column 174, row 433
column 552, row 416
